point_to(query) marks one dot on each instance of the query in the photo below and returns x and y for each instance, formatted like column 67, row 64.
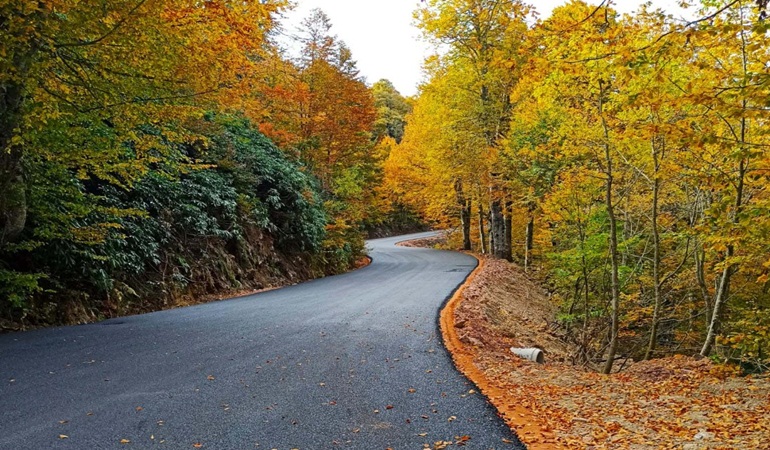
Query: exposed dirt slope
column 676, row 402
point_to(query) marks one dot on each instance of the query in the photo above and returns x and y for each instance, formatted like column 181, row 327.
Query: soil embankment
column 675, row 402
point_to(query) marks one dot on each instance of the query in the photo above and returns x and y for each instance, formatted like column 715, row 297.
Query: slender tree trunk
column 655, row 255
column 529, row 239
column 507, row 246
column 491, row 233
column 586, row 293
column 482, row 233
column 465, row 218
column 615, row 280
column 723, row 290
column 465, row 214
column 497, row 229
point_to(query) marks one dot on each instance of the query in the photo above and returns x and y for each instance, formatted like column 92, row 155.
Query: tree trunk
column 699, row 256
column 491, row 233
column 466, row 221
column 507, row 245
column 529, row 240
column 482, row 233
column 723, row 291
column 497, row 229
column 615, row 279
column 655, row 255
column 465, row 214
column 13, row 194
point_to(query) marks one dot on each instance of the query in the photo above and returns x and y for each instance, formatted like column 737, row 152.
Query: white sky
column 384, row 41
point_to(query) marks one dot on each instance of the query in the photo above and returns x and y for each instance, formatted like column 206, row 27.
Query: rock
column 703, row 435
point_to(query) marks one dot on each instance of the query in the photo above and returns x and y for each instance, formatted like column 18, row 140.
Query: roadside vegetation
column 620, row 159
column 160, row 153
column 669, row 402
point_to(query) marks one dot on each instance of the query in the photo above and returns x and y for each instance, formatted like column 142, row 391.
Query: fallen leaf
column 125, row 441
column 210, row 377
column 197, row 445
column 63, row 436
column 451, row 418
column 389, row 407
column 139, row 408
column 412, row 390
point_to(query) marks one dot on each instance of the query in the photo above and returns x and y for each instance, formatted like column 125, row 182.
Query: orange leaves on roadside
column 662, row 403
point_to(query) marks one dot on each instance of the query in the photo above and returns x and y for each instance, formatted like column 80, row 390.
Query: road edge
column 520, row 420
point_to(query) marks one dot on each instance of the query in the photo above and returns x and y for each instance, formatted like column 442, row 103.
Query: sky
column 386, row 44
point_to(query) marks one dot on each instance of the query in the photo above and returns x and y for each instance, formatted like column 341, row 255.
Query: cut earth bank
column 676, row 402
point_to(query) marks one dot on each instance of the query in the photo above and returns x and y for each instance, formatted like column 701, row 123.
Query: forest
column 154, row 153
column 619, row 158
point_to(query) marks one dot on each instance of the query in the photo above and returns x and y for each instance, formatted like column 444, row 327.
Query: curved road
column 353, row 361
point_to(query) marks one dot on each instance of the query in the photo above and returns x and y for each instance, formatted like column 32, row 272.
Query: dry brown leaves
column 437, row 241
column 673, row 402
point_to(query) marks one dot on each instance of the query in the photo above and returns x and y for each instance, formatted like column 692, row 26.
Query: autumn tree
column 117, row 66
column 485, row 37
column 729, row 49
column 632, row 148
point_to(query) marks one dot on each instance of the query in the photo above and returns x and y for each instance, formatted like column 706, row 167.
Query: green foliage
column 748, row 340
column 17, row 287
column 392, row 109
column 202, row 226
column 283, row 199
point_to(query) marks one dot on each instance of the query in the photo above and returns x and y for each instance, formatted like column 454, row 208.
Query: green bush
column 216, row 214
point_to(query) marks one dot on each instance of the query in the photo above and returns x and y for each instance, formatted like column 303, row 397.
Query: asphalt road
column 352, row 361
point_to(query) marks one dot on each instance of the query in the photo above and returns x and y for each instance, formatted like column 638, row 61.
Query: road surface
column 351, row 362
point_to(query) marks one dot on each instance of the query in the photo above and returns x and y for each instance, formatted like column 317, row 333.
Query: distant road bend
column 352, row 361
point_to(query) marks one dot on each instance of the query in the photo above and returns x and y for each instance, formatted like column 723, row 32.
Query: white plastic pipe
column 530, row 354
